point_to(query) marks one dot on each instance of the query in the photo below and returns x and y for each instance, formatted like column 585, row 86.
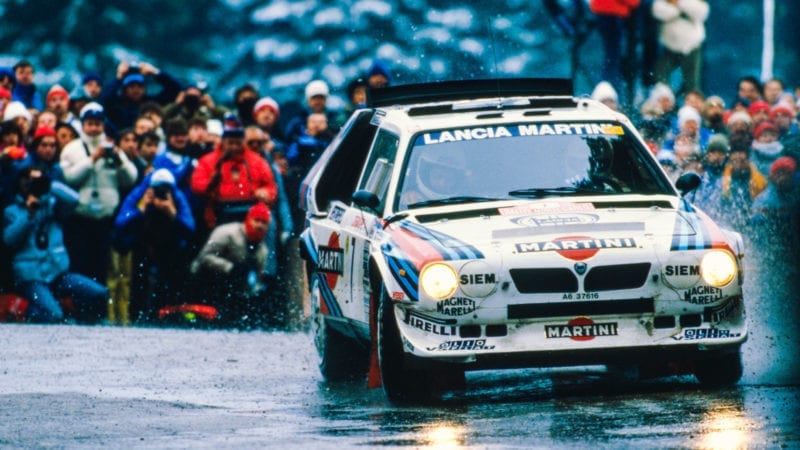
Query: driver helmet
column 438, row 174
column 601, row 157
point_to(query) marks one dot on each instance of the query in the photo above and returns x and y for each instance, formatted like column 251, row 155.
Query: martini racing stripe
column 403, row 271
column 449, row 247
column 327, row 296
column 690, row 232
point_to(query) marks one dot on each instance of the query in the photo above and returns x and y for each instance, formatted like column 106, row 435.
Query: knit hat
column 259, row 211
column 16, row 109
column 781, row 108
column 91, row 76
column 5, row 93
column 758, row 106
column 8, row 72
column 133, row 78
column 739, row 116
column 92, row 110
column 604, row 91
column 717, row 143
column 765, row 126
column 687, row 113
column 783, row 163
column 162, row 177
column 214, row 126
column 44, row 131
column 232, row 127
column 715, row 100
column 57, row 91
column 661, row 90
column 269, row 103
column 316, row 87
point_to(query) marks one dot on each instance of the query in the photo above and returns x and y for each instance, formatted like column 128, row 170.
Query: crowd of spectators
column 131, row 194
column 139, row 192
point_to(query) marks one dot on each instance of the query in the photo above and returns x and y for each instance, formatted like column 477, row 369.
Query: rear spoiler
column 443, row 91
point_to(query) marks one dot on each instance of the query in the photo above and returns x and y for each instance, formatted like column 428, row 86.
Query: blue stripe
column 328, row 297
column 450, row 247
column 409, row 286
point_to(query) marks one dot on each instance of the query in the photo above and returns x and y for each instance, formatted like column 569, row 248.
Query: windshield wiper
column 562, row 190
column 452, row 201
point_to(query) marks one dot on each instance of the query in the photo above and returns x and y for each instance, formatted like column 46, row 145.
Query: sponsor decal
column 465, row 344
column 719, row 313
column 702, row 295
column 430, row 326
column 477, row 279
column 456, row 306
column 580, row 268
column 544, row 129
column 576, row 248
column 554, row 220
column 398, row 295
column 331, row 260
column 692, row 334
column 336, row 214
column 358, row 222
column 681, row 271
column 581, row 329
column 545, row 208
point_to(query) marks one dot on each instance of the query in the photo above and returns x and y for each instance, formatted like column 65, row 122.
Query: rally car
column 505, row 223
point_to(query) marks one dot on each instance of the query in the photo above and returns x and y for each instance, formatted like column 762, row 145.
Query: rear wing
column 444, row 91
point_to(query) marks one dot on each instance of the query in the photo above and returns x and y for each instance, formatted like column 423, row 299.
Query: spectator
column 759, row 112
column 46, row 119
column 200, row 142
column 40, row 262
column 245, row 99
column 612, row 16
column 766, row 146
column 155, row 226
column 58, row 104
column 605, row 93
column 265, row 115
column 316, row 95
column 774, row 214
column 378, row 75
column 98, row 170
column 65, row 133
column 192, row 103
column 16, row 112
column 147, row 145
column 741, row 183
column 124, row 96
column 301, row 155
column 708, row 196
column 231, row 179
column 12, row 154
column 774, row 91
column 5, row 99
column 739, row 123
column 143, row 125
column 24, row 90
column 713, row 114
column 231, row 264
column 7, row 79
column 682, row 25
column 749, row 90
column 689, row 121
column 783, row 116
column 356, row 94
column 44, row 155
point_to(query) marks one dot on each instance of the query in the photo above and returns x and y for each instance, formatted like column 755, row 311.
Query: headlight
column 438, row 280
column 718, row 268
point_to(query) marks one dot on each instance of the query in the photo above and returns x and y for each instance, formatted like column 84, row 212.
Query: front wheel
column 401, row 384
column 720, row 370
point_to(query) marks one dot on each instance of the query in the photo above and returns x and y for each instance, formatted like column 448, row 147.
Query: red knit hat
column 765, row 126
column 5, row 93
column 758, row 106
column 57, row 91
column 259, row 211
column 781, row 108
column 783, row 163
column 44, row 131
column 268, row 103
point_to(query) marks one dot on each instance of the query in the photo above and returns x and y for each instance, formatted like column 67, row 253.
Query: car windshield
column 526, row 161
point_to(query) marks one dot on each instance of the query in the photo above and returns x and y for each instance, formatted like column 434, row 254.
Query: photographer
column 155, row 223
column 193, row 103
column 125, row 94
column 40, row 262
column 97, row 170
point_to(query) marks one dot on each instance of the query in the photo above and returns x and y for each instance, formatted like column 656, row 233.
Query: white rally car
column 505, row 223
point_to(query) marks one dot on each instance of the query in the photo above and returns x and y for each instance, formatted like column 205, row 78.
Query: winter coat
column 758, row 182
column 122, row 112
column 46, row 261
column 28, row 95
column 227, row 247
column 682, row 24
column 616, row 8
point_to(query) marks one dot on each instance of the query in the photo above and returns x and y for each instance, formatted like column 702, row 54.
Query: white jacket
column 682, row 24
column 97, row 184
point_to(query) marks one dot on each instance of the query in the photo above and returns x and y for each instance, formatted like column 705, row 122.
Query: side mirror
column 688, row 182
column 366, row 199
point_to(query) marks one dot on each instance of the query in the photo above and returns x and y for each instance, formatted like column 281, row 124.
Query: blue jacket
column 21, row 233
column 28, row 95
column 131, row 221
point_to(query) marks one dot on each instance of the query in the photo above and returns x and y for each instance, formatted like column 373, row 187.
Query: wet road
column 107, row 387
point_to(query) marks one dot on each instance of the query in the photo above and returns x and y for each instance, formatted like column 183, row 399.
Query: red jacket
column 239, row 178
column 618, row 8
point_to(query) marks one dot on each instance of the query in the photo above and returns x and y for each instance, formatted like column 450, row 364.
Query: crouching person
column 40, row 261
column 230, row 267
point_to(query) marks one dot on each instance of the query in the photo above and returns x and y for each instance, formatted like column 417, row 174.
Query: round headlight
column 438, row 280
column 718, row 268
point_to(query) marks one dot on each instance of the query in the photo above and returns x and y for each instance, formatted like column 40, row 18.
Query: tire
column 401, row 384
column 719, row 370
column 341, row 357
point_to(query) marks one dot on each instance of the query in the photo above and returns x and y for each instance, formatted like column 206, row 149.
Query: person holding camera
column 32, row 229
column 97, row 170
column 194, row 102
column 125, row 94
column 155, row 223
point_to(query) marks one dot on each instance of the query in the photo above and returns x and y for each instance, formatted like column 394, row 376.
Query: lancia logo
column 580, row 268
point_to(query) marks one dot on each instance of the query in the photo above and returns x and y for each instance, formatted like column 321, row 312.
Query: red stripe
column 718, row 239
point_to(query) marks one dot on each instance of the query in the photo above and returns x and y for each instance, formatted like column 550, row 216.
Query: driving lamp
column 718, row 268
column 438, row 280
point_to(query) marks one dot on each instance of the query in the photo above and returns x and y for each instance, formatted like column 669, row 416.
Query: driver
column 436, row 175
column 601, row 161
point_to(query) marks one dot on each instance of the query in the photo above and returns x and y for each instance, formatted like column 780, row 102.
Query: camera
column 39, row 186
column 161, row 190
column 108, row 150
